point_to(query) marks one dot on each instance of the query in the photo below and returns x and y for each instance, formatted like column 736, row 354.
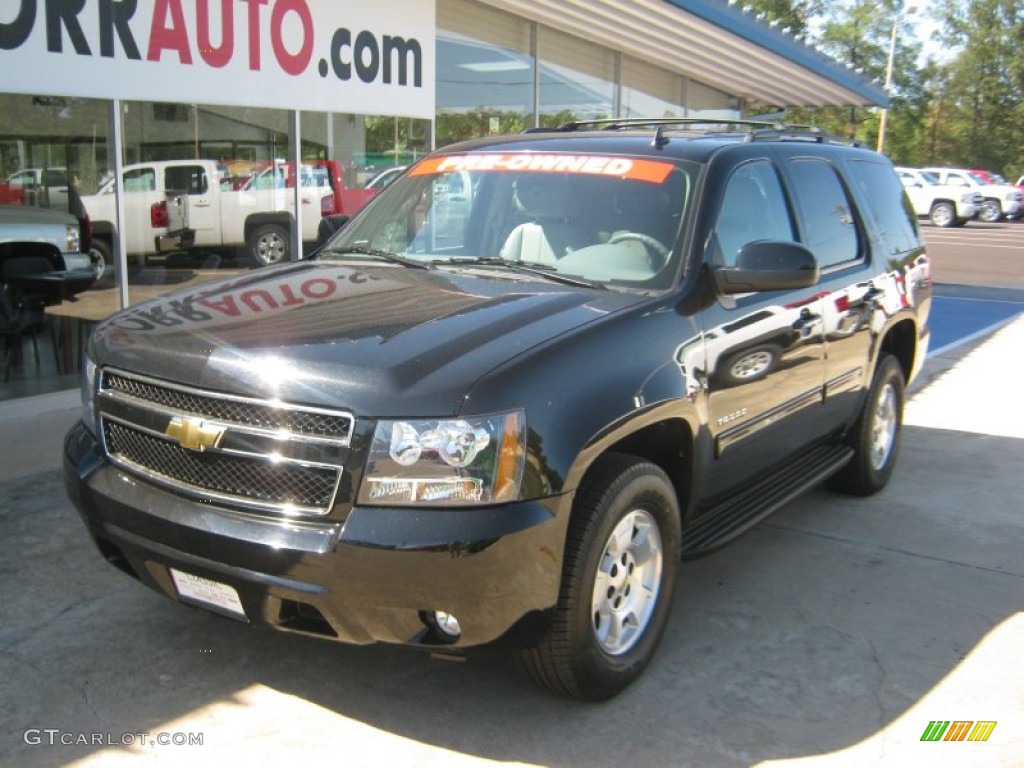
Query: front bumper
column 376, row 577
column 966, row 210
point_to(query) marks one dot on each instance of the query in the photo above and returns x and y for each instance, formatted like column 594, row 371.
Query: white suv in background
column 1002, row 201
column 945, row 206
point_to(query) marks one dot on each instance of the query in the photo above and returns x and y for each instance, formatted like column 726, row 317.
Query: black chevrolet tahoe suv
column 500, row 405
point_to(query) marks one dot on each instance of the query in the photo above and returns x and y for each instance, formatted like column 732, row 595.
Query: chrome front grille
column 259, row 454
column 242, row 412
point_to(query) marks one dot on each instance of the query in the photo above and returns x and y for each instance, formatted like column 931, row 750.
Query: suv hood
column 376, row 340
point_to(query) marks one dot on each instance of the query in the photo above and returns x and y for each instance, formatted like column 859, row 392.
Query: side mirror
column 769, row 265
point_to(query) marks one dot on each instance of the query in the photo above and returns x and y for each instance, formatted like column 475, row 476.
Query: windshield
column 599, row 219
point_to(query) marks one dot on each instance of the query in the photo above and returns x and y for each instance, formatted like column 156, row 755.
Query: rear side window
column 826, row 215
column 889, row 206
column 190, row 179
column 753, row 208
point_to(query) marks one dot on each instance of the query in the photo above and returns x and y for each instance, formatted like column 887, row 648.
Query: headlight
column 89, row 393
column 475, row 460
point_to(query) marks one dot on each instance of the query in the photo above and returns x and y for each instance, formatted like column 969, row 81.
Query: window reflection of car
column 751, row 347
column 59, row 232
column 45, row 187
column 385, row 177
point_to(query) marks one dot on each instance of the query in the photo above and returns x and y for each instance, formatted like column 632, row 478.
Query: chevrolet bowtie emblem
column 194, row 434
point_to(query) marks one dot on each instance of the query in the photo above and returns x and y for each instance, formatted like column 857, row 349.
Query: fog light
column 447, row 624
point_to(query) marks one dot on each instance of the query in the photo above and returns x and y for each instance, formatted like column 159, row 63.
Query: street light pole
column 906, row 11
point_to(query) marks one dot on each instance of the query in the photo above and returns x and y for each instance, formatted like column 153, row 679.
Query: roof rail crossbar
column 752, row 130
column 615, row 123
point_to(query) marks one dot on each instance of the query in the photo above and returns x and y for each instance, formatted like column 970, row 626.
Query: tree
column 977, row 115
column 789, row 14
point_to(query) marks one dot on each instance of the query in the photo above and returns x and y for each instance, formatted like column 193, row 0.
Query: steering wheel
column 651, row 242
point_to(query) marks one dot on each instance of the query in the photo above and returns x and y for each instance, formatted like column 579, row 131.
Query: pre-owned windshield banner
column 637, row 169
column 320, row 55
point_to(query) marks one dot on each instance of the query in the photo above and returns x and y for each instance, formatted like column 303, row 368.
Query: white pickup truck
column 944, row 205
column 1001, row 200
column 176, row 205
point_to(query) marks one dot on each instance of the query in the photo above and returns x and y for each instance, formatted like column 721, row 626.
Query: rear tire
column 619, row 575
column 875, row 438
column 269, row 244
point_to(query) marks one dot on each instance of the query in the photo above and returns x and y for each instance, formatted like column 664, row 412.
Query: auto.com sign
column 324, row 55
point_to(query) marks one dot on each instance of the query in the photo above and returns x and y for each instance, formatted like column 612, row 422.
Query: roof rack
column 752, row 130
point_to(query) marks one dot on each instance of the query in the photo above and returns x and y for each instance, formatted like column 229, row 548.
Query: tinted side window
column 889, row 206
column 190, row 179
column 753, row 208
column 826, row 216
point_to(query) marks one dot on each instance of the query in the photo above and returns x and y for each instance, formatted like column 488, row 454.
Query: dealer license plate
column 208, row 594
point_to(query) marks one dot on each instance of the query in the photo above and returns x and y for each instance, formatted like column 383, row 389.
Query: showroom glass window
column 705, row 101
column 577, row 79
column 648, row 91
column 485, row 73
column 53, row 151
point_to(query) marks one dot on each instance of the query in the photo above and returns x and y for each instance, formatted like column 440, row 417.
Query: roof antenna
column 660, row 140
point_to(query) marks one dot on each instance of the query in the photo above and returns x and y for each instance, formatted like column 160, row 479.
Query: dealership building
column 93, row 90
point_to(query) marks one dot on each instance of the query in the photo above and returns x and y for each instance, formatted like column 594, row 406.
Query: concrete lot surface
column 830, row 635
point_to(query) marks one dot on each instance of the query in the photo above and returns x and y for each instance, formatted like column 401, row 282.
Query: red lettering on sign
column 254, row 32
column 172, row 38
column 293, row 64
column 221, row 55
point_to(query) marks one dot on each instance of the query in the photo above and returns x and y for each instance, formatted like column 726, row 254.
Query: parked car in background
column 181, row 205
column 385, row 177
column 325, row 175
column 1001, row 201
column 990, row 177
column 43, row 187
column 52, row 233
column 945, row 206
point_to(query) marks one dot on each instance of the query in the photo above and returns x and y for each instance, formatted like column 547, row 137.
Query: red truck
column 315, row 173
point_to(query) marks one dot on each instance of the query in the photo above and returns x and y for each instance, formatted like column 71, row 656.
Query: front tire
column 875, row 438
column 750, row 364
column 617, row 584
column 269, row 244
column 101, row 254
column 943, row 214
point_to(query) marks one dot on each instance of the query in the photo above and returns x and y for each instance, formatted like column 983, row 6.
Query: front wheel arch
column 628, row 505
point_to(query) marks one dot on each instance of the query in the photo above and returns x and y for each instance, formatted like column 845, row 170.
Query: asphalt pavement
column 832, row 635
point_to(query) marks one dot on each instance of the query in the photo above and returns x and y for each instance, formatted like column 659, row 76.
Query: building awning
column 711, row 41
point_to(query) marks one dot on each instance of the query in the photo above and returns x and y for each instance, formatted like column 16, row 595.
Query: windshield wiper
column 528, row 267
column 379, row 253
